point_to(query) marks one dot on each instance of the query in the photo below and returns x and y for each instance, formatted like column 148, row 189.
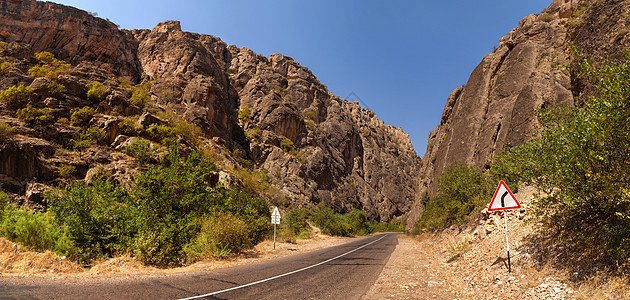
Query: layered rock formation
column 271, row 112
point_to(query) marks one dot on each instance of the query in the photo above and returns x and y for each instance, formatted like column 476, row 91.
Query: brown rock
column 71, row 34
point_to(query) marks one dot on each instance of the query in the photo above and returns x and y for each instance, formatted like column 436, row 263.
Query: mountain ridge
column 270, row 112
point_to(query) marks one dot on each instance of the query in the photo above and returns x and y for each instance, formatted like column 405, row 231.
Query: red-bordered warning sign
column 503, row 199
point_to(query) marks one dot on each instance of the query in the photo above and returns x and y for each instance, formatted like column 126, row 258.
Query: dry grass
column 16, row 260
column 604, row 286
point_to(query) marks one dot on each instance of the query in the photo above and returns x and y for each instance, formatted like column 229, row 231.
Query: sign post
column 275, row 219
column 507, row 201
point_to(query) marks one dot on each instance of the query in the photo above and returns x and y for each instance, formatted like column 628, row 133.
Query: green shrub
column 96, row 91
column 254, row 211
column 254, row 133
column 546, row 17
column 17, row 97
column 50, row 68
column 256, row 182
column 42, row 71
column 331, row 223
column 393, row 225
column 140, row 97
column 287, row 145
column 86, row 138
column 579, row 164
column 167, row 215
column 6, row 131
column 99, row 220
column 124, row 83
column 7, row 67
column 129, row 125
column 160, row 132
column 244, row 114
column 187, row 130
column 55, row 89
column 220, row 236
column 463, row 189
column 46, row 57
column 33, row 116
column 171, row 196
column 296, row 220
column 81, row 116
column 310, row 115
column 66, row 171
column 141, row 150
column 34, row 230
column 357, row 219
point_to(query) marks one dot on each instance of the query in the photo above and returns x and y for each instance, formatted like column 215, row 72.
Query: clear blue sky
column 402, row 58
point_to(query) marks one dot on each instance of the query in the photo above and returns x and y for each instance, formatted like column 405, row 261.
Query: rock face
column 270, row 112
column 532, row 67
column 71, row 34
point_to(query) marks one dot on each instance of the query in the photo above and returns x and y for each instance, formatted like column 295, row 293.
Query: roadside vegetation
column 579, row 163
column 168, row 215
column 296, row 224
column 463, row 191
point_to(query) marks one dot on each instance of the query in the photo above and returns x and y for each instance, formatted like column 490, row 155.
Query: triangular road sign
column 503, row 199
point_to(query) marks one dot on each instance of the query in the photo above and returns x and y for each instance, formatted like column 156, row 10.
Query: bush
column 7, row 67
column 33, row 116
column 98, row 218
column 244, row 114
column 66, row 171
column 171, row 196
column 86, row 138
column 287, row 145
column 188, row 131
column 6, row 131
column 81, row 116
column 42, row 71
column 141, row 150
column 34, row 230
column 254, row 133
column 46, row 57
column 579, row 164
column 17, row 97
column 310, row 116
column 331, row 223
column 140, row 97
column 96, row 91
column 220, row 236
column 463, row 189
column 50, row 67
column 55, row 89
column 168, row 213
column 256, row 182
column 159, row 133
column 296, row 220
column 357, row 219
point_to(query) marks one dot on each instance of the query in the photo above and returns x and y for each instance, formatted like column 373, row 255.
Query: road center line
column 285, row 274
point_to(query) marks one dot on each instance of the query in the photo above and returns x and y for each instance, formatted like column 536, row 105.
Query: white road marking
column 282, row 275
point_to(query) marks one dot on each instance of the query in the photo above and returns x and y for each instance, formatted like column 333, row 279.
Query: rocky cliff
column 271, row 113
column 532, row 67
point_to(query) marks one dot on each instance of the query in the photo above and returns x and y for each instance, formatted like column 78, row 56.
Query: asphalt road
column 346, row 271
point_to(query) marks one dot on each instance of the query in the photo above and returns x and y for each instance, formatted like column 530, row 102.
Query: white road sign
column 275, row 216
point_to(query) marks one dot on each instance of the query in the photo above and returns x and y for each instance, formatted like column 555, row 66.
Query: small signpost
column 275, row 219
column 504, row 200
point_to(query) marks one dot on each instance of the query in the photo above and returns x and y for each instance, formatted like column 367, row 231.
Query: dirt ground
column 472, row 264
